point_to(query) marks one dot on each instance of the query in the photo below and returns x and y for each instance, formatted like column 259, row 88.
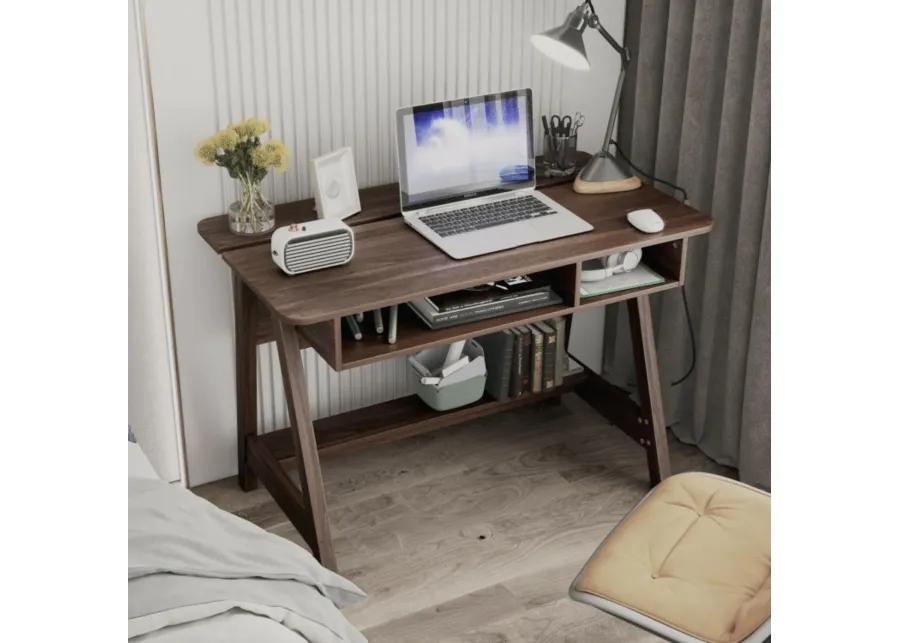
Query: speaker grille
column 318, row 251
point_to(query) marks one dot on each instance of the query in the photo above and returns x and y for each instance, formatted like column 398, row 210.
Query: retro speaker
column 304, row 247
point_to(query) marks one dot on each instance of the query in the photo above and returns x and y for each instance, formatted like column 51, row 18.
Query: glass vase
column 252, row 213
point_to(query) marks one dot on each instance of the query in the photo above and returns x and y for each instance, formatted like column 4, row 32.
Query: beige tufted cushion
column 693, row 555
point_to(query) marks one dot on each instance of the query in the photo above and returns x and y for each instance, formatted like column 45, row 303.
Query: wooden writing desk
column 392, row 265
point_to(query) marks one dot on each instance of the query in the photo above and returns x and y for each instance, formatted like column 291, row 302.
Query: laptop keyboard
column 486, row 215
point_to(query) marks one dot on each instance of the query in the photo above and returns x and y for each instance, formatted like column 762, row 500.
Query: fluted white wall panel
column 326, row 73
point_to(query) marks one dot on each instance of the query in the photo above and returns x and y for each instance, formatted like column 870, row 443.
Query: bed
column 197, row 573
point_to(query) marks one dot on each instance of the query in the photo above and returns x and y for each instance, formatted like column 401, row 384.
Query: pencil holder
column 462, row 387
column 559, row 153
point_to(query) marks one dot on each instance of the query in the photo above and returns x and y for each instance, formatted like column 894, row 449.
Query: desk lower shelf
column 412, row 336
column 397, row 419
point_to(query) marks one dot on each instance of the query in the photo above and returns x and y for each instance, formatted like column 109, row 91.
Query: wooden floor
column 474, row 533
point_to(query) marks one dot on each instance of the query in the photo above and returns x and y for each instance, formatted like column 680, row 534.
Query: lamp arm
column 594, row 22
column 614, row 110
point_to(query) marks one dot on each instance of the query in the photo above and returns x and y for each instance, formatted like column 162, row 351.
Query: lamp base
column 604, row 174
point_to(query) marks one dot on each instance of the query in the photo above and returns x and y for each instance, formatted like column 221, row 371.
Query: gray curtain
column 695, row 112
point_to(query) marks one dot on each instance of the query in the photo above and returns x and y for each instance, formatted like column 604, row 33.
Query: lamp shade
column 565, row 43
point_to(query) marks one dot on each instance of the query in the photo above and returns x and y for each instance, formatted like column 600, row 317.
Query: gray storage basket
column 458, row 389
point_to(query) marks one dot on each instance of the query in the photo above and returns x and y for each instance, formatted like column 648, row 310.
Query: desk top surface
column 378, row 202
column 394, row 264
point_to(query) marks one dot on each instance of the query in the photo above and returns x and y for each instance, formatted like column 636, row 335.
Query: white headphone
column 614, row 264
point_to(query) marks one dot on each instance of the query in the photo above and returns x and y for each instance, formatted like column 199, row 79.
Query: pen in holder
column 559, row 154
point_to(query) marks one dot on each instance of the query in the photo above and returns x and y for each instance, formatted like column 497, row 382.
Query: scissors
column 578, row 122
column 560, row 125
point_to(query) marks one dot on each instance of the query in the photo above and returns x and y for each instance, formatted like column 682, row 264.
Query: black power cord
column 687, row 312
column 687, row 316
column 677, row 188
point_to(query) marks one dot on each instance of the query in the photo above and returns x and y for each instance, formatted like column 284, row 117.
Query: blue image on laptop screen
column 455, row 149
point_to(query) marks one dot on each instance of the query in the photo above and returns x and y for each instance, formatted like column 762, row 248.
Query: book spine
column 561, row 354
column 506, row 367
column 526, row 359
column 537, row 361
column 501, row 309
column 515, row 381
column 492, row 309
column 420, row 315
column 490, row 299
column 497, row 349
column 550, row 345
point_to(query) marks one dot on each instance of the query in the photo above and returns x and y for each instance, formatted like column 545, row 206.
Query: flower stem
column 252, row 205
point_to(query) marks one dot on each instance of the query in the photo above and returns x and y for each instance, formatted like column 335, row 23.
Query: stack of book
column 526, row 359
column 491, row 300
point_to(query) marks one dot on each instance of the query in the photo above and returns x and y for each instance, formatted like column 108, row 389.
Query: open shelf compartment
column 413, row 335
column 333, row 343
column 666, row 259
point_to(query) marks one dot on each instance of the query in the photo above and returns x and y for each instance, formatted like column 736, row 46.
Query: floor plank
column 474, row 533
column 434, row 623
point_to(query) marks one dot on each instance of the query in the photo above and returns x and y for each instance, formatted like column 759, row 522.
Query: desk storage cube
column 465, row 386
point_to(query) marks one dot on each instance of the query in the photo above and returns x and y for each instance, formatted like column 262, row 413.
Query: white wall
column 326, row 74
column 152, row 385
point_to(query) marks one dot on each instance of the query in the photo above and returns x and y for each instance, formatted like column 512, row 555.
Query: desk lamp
column 565, row 44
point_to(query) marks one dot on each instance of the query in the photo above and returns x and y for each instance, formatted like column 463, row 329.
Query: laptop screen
column 465, row 148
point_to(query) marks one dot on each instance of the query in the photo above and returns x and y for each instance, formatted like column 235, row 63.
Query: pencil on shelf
column 379, row 321
column 354, row 328
column 392, row 325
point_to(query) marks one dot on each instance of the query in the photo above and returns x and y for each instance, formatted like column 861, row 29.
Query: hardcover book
column 562, row 356
column 537, row 358
column 488, row 293
column 498, row 352
column 515, row 380
column 486, row 311
column 550, row 344
column 526, row 358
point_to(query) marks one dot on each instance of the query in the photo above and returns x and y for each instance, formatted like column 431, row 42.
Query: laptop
column 467, row 177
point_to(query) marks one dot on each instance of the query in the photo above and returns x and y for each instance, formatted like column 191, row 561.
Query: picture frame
column 335, row 188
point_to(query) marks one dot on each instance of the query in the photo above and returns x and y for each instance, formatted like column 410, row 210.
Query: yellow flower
column 270, row 154
column 226, row 138
column 241, row 129
column 280, row 154
column 258, row 126
column 250, row 128
column 206, row 151
column 282, row 163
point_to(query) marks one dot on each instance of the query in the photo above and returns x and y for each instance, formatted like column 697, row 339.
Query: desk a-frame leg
column 647, row 371
column 245, row 322
column 312, row 518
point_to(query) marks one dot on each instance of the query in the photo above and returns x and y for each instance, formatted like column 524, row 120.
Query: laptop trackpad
column 501, row 237
column 557, row 225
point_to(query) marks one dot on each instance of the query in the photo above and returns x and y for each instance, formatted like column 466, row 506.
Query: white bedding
column 198, row 573
column 138, row 464
column 234, row 625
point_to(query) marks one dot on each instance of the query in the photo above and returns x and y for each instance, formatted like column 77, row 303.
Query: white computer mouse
column 646, row 220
